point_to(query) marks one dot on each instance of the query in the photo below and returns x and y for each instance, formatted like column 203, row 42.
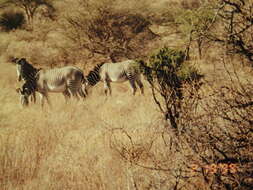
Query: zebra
column 28, row 88
column 68, row 80
column 25, row 72
column 116, row 72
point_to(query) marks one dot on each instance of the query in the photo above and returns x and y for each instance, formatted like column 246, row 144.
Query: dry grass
column 70, row 145
column 67, row 147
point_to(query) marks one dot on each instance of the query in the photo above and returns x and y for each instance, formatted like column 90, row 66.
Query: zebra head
column 21, row 61
column 27, row 89
column 24, row 96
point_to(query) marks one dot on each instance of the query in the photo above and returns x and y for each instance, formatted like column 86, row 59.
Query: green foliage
column 195, row 21
column 194, row 25
column 10, row 20
column 166, row 59
column 136, row 65
column 164, row 63
column 188, row 72
column 169, row 68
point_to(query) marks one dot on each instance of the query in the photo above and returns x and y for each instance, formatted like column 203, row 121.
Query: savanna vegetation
column 192, row 129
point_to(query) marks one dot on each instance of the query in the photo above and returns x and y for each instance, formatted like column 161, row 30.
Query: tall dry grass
column 95, row 143
column 77, row 145
column 68, row 146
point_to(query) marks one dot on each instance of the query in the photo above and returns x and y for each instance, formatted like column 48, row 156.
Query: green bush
column 169, row 64
column 166, row 59
column 10, row 20
column 188, row 72
column 167, row 71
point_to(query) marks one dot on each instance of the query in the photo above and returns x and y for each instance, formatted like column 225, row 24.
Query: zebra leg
column 132, row 83
column 48, row 101
column 42, row 99
column 110, row 89
column 81, row 93
column 66, row 95
column 81, row 89
column 74, row 93
column 107, row 86
column 42, row 96
column 140, row 84
column 34, row 97
column 31, row 98
column 84, row 90
column 73, row 88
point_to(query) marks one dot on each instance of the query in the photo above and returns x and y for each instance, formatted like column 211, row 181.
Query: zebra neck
column 94, row 77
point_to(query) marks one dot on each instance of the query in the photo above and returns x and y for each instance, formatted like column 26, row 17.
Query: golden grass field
column 96, row 143
column 67, row 146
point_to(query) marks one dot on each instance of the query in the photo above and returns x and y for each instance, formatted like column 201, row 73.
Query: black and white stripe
column 130, row 75
column 25, row 70
column 27, row 73
column 120, row 72
column 94, row 77
column 29, row 87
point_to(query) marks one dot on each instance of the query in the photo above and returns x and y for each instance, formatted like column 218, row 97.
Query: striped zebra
column 68, row 80
column 116, row 72
column 26, row 72
column 28, row 88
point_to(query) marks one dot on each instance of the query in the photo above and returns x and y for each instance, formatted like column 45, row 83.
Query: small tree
column 233, row 27
column 29, row 7
column 194, row 24
column 166, row 73
column 100, row 28
column 10, row 20
column 172, row 81
column 212, row 145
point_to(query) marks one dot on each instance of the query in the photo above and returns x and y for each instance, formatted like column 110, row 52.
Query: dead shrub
column 106, row 31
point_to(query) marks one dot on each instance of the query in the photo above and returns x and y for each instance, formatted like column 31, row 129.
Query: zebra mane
column 94, row 77
column 26, row 64
column 37, row 74
column 97, row 67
